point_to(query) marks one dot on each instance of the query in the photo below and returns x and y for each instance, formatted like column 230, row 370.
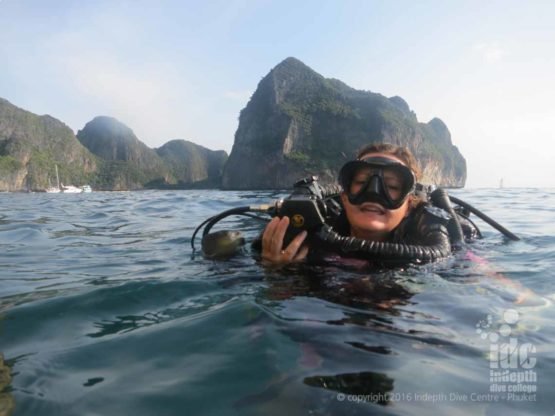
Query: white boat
column 67, row 189
column 70, row 189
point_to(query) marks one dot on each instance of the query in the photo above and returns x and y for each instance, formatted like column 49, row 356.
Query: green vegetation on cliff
column 108, row 156
column 127, row 162
column 8, row 164
column 31, row 146
column 193, row 165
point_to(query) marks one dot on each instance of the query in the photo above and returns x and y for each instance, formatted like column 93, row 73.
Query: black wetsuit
column 421, row 237
column 425, row 235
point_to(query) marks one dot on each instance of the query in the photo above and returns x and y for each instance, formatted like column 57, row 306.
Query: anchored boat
column 67, row 189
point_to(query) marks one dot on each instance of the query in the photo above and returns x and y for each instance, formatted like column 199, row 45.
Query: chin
column 372, row 225
column 371, row 221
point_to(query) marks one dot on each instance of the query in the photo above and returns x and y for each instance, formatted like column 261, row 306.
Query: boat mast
column 57, row 177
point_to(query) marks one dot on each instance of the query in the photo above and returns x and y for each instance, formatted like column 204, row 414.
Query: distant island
column 105, row 154
column 296, row 123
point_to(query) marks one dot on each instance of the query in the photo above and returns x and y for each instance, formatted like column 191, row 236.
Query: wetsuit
column 423, row 236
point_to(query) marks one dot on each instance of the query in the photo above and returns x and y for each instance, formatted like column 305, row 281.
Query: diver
column 378, row 214
column 380, row 204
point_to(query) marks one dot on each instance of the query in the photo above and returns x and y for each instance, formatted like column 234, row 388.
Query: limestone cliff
column 193, row 165
column 105, row 154
column 128, row 162
column 298, row 122
column 30, row 148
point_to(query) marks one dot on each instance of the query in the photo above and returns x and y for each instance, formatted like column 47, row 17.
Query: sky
column 180, row 69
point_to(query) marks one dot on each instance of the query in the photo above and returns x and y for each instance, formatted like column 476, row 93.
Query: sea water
column 104, row 310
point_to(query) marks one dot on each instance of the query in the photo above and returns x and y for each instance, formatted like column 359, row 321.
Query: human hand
column 272, row 243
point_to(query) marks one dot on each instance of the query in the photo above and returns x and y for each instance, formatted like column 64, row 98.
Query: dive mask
column 377, row 179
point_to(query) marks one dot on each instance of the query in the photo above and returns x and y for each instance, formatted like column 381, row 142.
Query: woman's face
column 371, row 220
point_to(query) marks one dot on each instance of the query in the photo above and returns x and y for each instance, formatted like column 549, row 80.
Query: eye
column 358, row 182
column 393, row 183
column 392, row 179
column 394, row 186
column 356, row 185
column 361, row 178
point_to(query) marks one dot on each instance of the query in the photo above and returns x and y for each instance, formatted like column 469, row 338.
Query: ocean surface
column 104, row 310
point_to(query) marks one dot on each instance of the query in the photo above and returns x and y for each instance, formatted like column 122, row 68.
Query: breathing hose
column 437, row 247
column 210, row 222
column 440, row 199
column 485, row 218
column 329, row 191
column 437, row 243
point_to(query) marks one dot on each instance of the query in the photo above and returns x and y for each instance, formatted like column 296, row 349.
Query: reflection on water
column 374, row 386
column 105, row 311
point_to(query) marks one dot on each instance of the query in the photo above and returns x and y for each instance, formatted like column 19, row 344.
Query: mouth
column 373, row 208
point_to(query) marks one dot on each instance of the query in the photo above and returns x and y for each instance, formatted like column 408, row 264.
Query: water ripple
column 104, row 310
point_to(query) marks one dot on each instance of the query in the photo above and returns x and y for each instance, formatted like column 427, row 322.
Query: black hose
column 440, row 199
column 330, row 190
column 485, row 218
column 437, row 247
column 210, row 222
column 474, row 226
column 221, row 216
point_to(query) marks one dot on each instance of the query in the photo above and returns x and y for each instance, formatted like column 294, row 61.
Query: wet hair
column 399, row 152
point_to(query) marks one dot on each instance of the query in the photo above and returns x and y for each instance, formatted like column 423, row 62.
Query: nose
column 373, row 184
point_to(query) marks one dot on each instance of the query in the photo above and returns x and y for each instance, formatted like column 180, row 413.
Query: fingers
column 272, row 239
column 272, row 243
column 301, row 255
column 293, row 248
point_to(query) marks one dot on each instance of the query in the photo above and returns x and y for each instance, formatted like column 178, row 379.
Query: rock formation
column 128, row 162
column 298, row 123
column 193, row 165
column 105, row 154
column 30, row 148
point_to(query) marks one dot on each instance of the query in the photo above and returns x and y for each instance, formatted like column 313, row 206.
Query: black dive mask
column 377, row 179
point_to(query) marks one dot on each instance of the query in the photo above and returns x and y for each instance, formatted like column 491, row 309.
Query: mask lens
column 360, row 179
column 395, row 184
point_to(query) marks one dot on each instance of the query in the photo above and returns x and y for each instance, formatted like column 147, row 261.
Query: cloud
column 490, row 52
